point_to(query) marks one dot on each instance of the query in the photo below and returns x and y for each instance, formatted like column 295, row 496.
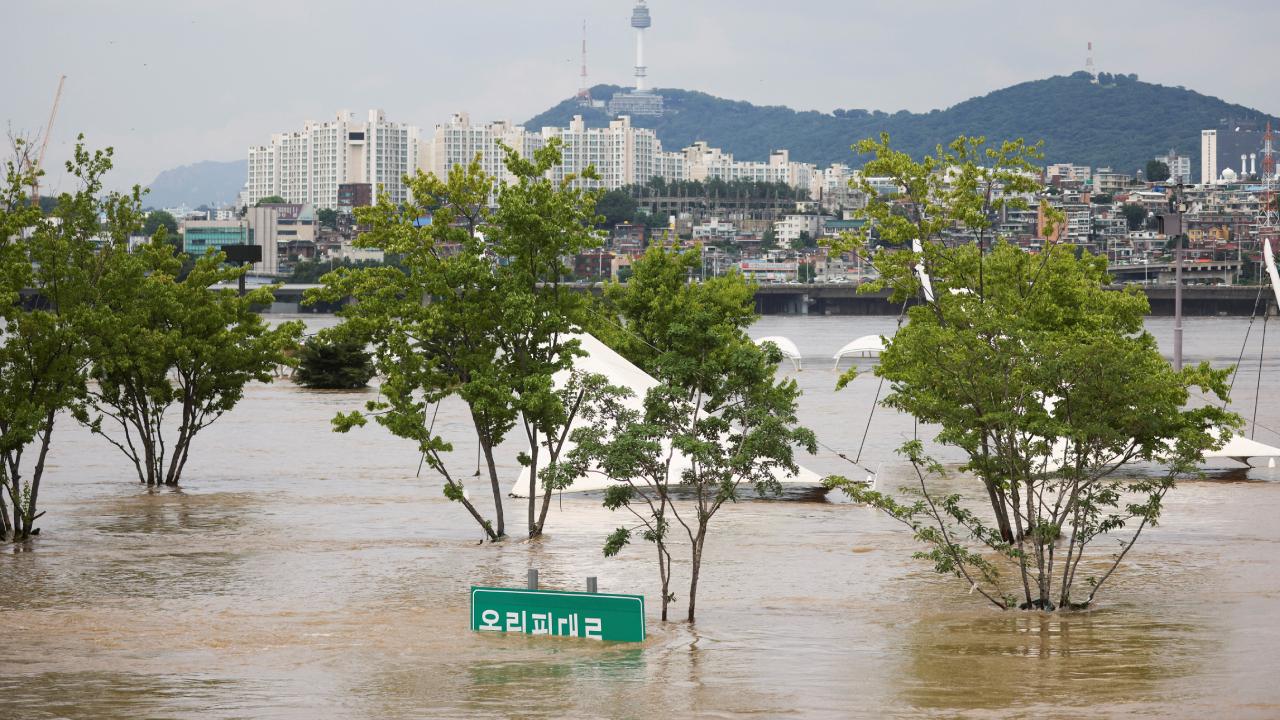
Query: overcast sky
column 170, row 82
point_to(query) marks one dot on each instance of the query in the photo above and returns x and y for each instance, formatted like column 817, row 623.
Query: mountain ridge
column 209, row 182
column 1120, row 122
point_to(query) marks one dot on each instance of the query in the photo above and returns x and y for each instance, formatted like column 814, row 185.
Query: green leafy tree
column 1157, row 171
column 157, row 219
column 328, row 217
column 1135, row 215
column 717, row 403
column 455, row 322
column 616, row 206
column 163, row 346
column 1045, row 379
column 536, row 225
column 272, row 200
column 331, row 364
column 433, row 325
column 44, row 343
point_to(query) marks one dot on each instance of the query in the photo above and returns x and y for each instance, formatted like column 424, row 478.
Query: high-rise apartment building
column 307, row 166
column 622, row 154
column 1208, row 157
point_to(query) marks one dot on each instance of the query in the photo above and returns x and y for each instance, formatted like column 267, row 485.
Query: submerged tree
column 44, row 339
column 331, row 364
column 1043, row 377
column 538, row 223
column 432, row 325
column 487, row 318
column 162, row 345
column 717, row 420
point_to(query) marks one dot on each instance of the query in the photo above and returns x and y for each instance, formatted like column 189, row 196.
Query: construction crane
column 44, row 144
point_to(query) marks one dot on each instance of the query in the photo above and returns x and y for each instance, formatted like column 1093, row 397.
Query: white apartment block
column 1208, row 157
column 790, row 228
column 459, row 142
column 1068, row 172
column 621, row 153
column 703, row 162
column 1179, row 167
column 307, row 166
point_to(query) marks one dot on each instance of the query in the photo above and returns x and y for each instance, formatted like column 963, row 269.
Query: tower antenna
column 1088, row 64
column 584, row 92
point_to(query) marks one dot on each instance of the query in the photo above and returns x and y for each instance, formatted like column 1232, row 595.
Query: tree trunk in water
column 546, row 503
column 533, row 484
column 999, row 505
column 29, row 513
column 496, row 483
column 697, row 566
column 666, row 581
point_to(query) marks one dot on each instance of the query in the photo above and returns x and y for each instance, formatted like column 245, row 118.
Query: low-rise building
column 200, row 236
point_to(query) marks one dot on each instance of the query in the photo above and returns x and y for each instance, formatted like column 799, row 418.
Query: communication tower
column 641, row 21
column 584, row 92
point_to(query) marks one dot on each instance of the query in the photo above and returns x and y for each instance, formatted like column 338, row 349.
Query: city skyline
column 171, row 84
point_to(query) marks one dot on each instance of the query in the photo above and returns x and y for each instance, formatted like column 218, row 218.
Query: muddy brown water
column 300, row 573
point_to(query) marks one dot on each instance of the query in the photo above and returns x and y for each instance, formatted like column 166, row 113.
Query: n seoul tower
column 640, row 20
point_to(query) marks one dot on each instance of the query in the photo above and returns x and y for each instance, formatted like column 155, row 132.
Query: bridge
column 1208, row 272
column 844, row 299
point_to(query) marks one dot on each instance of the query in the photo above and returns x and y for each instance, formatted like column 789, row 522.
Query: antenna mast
column 584, row 92
column 1088, row 64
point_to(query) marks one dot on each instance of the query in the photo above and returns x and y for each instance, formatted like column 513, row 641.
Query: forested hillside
column 1121, row 122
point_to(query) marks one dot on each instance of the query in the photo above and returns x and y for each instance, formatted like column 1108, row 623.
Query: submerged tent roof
column 862, row 346
column 600, row 358
column 1241, row 448
column 788, row 348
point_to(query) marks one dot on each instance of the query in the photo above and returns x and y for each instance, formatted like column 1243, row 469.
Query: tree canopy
column 493, row 333
column 718, row 403
column 157, row 219
column 1043, row 377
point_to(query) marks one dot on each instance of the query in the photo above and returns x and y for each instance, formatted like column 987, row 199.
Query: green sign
column 595, row 616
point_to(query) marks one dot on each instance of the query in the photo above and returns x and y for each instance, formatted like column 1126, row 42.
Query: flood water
column 299, row 573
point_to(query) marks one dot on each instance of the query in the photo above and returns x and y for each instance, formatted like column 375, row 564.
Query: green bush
column 333, row 365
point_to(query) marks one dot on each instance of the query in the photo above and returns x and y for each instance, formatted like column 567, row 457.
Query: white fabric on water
column 788, row 348
column 600, row 358
column 860, row 346
column 1268, row 256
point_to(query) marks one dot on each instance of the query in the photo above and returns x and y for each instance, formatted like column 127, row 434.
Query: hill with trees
column 1120, row 122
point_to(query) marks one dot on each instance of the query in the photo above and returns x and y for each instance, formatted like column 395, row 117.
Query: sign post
column 594, row 616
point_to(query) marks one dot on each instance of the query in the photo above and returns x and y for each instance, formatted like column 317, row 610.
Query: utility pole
column 1178, row 209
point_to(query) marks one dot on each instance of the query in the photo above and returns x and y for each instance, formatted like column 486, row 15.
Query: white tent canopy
column 1241, row 448
column 599, row 358
column 863, row 346
column 788, row 348
column 1269, row 258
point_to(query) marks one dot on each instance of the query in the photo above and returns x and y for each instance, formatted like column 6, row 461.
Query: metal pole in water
column 591, row 585
column 533, row 579
column 1178, row 238
column 1177, row 307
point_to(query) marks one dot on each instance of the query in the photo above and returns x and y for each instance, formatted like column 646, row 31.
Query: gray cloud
column 168, row 82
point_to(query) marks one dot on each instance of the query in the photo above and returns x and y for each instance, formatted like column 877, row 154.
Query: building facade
column 621, row 153
column 1208, row 157
column 309, row 165
column 200, row 236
